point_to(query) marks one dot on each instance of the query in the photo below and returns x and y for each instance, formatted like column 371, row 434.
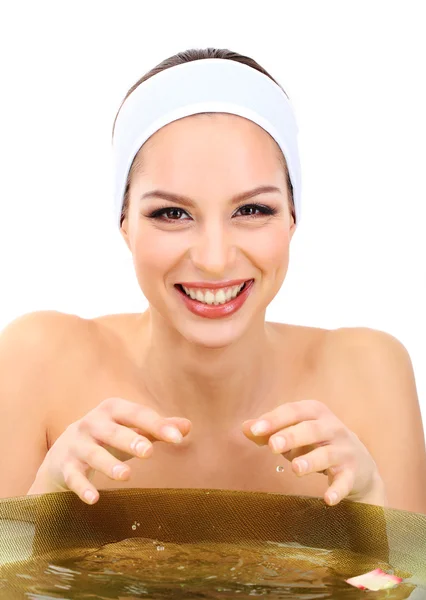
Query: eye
column 172, row 213
column 254, row 210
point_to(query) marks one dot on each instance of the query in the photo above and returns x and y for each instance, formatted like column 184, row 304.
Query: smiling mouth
column 214, row 297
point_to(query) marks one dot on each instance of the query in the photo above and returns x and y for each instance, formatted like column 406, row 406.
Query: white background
column 355, row 72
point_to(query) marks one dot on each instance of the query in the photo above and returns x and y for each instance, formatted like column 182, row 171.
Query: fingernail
column 332, row 497
column 278, row 444
column 118, row 471
column 301, row 466
column 89, row 496
column 172, row 434
column 142, row 448
column 260, row 428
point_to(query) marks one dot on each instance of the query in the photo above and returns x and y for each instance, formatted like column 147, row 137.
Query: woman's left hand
column 314, row 440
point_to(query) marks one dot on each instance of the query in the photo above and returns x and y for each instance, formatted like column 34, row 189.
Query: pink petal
column 374, row 580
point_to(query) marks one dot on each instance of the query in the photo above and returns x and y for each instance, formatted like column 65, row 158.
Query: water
column 154, row 569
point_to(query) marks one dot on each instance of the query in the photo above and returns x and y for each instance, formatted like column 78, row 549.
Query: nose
column 213, row 252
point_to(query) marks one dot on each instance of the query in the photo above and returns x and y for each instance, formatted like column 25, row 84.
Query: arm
column 374, row 374
column 27, row 350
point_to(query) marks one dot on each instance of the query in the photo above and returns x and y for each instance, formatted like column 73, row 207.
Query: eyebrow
column 185, row 201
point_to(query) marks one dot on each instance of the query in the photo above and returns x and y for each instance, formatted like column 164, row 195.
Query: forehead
column 213, row 142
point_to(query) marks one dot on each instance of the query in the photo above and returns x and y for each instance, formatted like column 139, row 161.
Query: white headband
column 205, row 85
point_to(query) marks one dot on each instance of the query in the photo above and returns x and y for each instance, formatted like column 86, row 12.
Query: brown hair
column 184, row 57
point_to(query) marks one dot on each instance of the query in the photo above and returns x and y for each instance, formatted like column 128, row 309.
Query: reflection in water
column 154, row 569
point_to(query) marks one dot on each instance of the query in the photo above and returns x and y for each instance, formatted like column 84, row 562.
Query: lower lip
column 211, row 311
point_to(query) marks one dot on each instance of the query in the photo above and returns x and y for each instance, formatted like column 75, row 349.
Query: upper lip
column 213, row 285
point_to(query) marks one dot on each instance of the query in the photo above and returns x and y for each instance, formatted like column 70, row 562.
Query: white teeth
column 209, row 297
column 235, row 290
column 219, row 296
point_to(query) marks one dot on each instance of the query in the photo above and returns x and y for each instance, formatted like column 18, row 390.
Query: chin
column 212, row 339
column 214, row 334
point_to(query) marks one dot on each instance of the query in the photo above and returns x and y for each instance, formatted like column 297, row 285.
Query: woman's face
column 209, row 236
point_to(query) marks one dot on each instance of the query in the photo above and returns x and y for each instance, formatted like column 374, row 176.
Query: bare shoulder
column 370, row 372
column 363, row 342
column 40, row 335
column 369, row 359
column 331, row 346
column 371, row 364
column 63, row 345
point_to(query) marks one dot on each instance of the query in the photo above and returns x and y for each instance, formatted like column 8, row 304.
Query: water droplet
column 159, row 548
column 133, row 527
column 280, row 469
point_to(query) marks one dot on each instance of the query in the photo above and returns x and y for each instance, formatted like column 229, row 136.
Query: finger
column 307, row 433
column 300, row 452
column 318, row 460
column 260, row 440
column 99, row 459
column 121, row 438
column 341, row 487
column 184, row 425
column 78, row 483
column 145, row 419
column 288, row 414
column 296, row 452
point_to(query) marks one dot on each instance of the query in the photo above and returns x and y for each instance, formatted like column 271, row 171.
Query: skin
column 78, row 394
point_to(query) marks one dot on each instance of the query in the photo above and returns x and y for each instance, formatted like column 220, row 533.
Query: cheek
column 270, row 249
column 156, row 251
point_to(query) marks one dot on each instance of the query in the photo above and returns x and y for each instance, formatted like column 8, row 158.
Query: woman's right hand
column 110, row 434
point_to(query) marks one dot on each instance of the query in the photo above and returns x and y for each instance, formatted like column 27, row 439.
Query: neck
column 200, row 383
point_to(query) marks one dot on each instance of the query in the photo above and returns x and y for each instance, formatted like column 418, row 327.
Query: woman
column 200, row 391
